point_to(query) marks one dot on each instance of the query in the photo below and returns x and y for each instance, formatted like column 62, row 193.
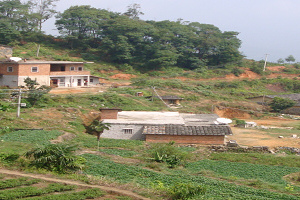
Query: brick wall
column 187, row 139
column 3, row 68
column 109, row 113
column 25, row 69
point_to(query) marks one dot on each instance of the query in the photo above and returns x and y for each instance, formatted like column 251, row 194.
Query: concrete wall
column 117, row 131
column 41, row 80
column 187, row 139
column 9, row 80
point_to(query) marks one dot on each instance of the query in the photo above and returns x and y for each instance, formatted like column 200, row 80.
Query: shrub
column 167, row 153
column 278, row 104
column 240, row 122
column 186, row 190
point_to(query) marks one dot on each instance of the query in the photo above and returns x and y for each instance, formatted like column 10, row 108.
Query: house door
column 85, row 82
column 54, row 83
column 78, row 82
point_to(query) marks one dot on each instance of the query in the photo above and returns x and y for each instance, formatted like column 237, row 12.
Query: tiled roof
column 187, row 130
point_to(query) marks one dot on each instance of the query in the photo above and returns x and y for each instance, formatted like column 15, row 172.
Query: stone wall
column 5, row 52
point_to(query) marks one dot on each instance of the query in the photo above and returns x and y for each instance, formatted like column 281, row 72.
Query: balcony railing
column 70, row 73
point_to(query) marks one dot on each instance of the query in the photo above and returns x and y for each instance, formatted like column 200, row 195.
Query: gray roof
column 295, row 96
column 171, row 97
column 187, row 130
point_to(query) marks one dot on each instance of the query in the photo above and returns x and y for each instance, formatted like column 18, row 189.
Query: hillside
column 203, row 172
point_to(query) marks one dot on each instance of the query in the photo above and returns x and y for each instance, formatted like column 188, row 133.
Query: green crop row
column 86, row 194
column 258, row 158
column 216, row 189
column 267, row 173
column 17, row 193
column 10, row 183
column 40, row 137
column 119, row 152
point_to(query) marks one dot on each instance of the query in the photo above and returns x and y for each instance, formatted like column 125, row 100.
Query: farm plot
column 12, row 187
column 216, row 189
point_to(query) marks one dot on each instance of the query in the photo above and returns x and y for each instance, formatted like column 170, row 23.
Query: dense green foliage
column 148, row 44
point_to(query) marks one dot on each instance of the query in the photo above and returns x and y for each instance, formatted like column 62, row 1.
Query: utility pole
column 19, row 103
column 265, row 62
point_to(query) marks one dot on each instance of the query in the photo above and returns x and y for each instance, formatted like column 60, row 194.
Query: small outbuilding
column 165, row 127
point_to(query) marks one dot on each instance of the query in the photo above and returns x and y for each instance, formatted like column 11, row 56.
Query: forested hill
column 124, row 38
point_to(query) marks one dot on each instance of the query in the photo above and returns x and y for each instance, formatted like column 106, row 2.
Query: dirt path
column 110, row 190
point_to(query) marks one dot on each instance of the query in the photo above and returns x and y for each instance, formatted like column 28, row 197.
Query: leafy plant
column 55, row 157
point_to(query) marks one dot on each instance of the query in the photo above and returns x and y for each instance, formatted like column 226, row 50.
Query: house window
column 72, row 68
column 9, row 69
column 34, row 69
column 127, row 130
column 79, row 68
column 91, row 80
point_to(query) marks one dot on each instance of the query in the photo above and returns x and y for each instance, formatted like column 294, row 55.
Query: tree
column 97, row 127
column 8, row 33
column 134, row 11
column 290, row 59
column 16, row 14
column 280, row 61
column 35, row 93
column 42, row 10
column 55, row 157
column 278, row 104
column 82, row 21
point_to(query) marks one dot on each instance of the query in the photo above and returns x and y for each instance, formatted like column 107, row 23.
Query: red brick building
column 50, row 73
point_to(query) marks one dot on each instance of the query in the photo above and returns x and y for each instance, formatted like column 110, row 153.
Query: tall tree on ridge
column 134, row 11
column 42, row 10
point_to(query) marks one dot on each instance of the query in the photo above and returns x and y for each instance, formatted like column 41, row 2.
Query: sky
column 264, row 26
